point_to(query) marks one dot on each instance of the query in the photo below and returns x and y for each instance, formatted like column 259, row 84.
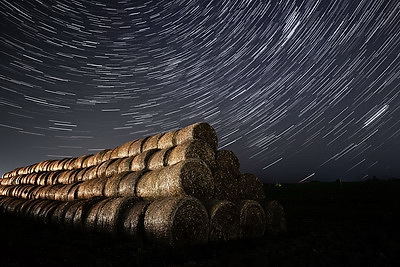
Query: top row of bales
column 198, row 131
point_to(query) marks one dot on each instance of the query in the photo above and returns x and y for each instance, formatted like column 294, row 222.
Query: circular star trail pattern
column 299, row 90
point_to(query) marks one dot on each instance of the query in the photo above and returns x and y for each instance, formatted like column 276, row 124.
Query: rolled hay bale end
column 140, row 162
column 58, row 215
column 98, row 187
column 102, row 168
column 112, row 184
column 151, row 142
column 91, row 173
column 135, row 147
column 113, row 167
column 227, row 160
column 191, row 177
column 125, row 164
column 68, row 220
column 252, row 219
column 82, row 212
column 167, row 140
column 250, row 187
column 176, row 221
column 192, row 149
column 201, row 130
column 224, row 220
column 275, row 217
column 98, row 158
column 158, row 159
column 109, row 215
column 90, row 222
column 128, row 184
column 131, row 223
column 115, row 153
column 225, row 185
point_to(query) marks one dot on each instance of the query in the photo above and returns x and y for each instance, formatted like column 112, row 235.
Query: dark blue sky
column 297, row 89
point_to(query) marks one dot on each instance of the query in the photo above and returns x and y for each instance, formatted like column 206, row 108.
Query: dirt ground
column 329, row 224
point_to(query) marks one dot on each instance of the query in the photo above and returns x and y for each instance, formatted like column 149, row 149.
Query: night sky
column 299, row 90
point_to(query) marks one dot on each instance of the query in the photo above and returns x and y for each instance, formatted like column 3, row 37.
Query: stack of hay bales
column 172, row 188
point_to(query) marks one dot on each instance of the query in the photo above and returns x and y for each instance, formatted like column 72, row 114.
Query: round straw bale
column 82, row 210
column 151, row 142
column 112, row 184
column 54, row 165
column 33, row 208
column 87, row 160
column 27, row 191
column 190, row 177
column 46, row 212
column 158, row 159
column 123, row 151
column 250, row 187
column 109, row 215
column 62, row 192
column 192, row 149
column 100, row 155
column 63, row 164
column 91, row 173
column 136, row 147
column 176, row 221
column 79, row 174
column 128, row 184
column 107, row 155
column 114, row 153
column 77, row 163
column 101, row 170
column 98, row 187
column 32, row 178
column 41, row 179
column 228, row 161
column 57, row 218
column 72, row 193
column 224, row 220
column 90, row 223
column 275, row 217
column 68, row 221
column 225, row 185
column 35, row 191
column 252, row 219
column 131, row 221
column 35, row 211
column 140, row 162
column 43, row 191
column 91, row 161
column 63, row 177
column 201, row 130
column 125, row 164
column 113, row 167
column 167, row 140
column 85, row 189
column 51, row 194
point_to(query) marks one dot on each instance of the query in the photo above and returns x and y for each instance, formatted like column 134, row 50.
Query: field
column 329, row 224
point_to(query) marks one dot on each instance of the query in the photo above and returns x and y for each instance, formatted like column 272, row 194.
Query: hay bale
column 90, row 222
column 102, row 168
column 51, row 194
column 98, row 158
column 91, row 173
column 107, row 155
column 202, row 131
column 88, row 160
column 85, row 189
column 224, row 220
column 91, row 161
column 275, row 217
column 131, row 221
column 82, row 212
column 227, row 161
column 140, row 162
column 79, row 174
column 112, row 184
column 57, row 218
column 136, row 147
column 109, row 216
column 68, row 220
column 69, row 164
column 225, row 185
column 47, row 211
column 128, row 184
column 62, row 192
column 192, row 149
column 98, row 187
column 78, row 162
column 113, row 168
column 250, row 187
column 176, row 221
column 158, row 159
column 125, row 164
column 252, row 219
column 151, row 142
column 114, row 153
column 167, row 140
column 190, row 177
column 123, row 151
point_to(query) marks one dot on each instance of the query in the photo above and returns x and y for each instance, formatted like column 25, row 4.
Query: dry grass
column 250, row 187
column 191, row 149
column 176, row 221
column 252, row 219
column 190, row 177
column 201, row 130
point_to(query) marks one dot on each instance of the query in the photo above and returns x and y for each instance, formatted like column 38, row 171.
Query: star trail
column 297, row 89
